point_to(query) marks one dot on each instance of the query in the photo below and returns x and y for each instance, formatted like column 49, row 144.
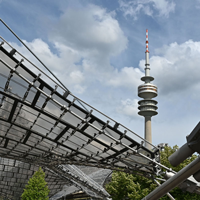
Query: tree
column 133, row 187
column 36, row 188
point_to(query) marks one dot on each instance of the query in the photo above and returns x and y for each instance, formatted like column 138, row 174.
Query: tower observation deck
column 147, row 91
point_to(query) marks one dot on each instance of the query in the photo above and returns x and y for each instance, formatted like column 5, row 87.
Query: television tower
column 147, row 91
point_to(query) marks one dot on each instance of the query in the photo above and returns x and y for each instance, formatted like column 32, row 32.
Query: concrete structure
column 147, row 91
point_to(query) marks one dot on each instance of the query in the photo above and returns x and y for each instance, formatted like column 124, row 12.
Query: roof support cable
column 68, row 92
column 33, row 53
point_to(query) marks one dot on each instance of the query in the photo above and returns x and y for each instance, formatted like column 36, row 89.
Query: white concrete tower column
column 147, row 131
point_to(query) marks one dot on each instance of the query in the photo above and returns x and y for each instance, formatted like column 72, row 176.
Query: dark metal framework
column 43, row 124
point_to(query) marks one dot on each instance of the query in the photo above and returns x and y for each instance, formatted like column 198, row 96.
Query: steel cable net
column 98, row 176
column 43, row 124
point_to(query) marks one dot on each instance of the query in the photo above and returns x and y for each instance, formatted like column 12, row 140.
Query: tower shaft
column 147, row 132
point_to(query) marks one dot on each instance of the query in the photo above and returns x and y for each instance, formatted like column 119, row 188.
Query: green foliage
column 169, row 151
column 129, row 186
column 133, row 187
column 37, row 188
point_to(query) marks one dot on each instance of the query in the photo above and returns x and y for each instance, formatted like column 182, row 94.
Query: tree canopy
column 133, row 187
column 36, row 188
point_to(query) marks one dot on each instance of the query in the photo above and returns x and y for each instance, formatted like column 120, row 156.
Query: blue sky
column 97, row 49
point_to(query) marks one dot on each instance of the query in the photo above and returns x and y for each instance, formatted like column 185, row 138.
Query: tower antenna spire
column 147, row 41
column 147, row 91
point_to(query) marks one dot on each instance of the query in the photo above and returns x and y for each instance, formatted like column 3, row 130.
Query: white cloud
column 84, row 40
column 76, row 76
column 91, row 31
column 197, row 4
column 79, row 89
column 129, row 108
column 164, row 7
column 77, row 79
column 176, row 68
column 62, row 65
column 133, row 8
column 128, row 77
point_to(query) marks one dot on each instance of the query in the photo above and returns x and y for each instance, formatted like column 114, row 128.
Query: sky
column 97, row 49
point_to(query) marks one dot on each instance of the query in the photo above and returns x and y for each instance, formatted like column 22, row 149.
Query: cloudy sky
column 97, row 49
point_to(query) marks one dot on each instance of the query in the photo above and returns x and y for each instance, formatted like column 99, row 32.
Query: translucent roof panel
column 42, row 123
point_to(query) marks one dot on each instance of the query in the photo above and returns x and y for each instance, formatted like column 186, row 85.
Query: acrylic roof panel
column 42, row 123
column 39, row 124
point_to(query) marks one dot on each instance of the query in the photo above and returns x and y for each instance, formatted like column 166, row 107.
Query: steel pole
column 175, row 180
column 168, row 194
